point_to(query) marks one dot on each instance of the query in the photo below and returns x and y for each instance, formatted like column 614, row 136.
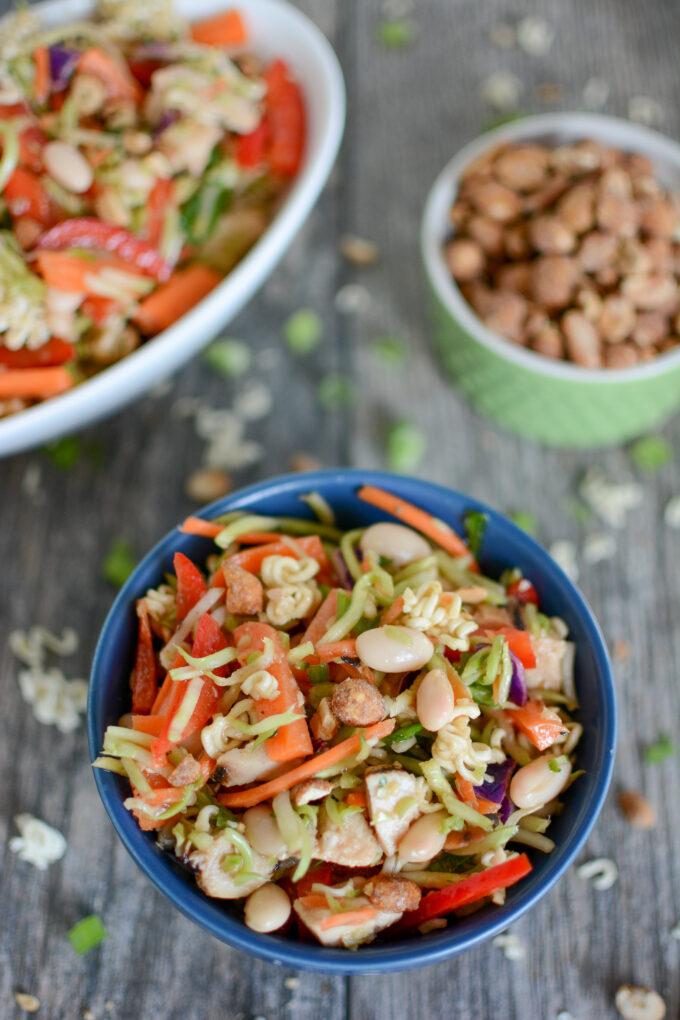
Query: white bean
column 262, row 832
column 434, row 700
column 267, row 909
column 540, row 781
column 67, row 166
column 394, row 649
column 396, row 543
column 424, row 840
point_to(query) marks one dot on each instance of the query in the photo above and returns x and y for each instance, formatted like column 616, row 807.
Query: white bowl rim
column 612, row 130
column 159, row 358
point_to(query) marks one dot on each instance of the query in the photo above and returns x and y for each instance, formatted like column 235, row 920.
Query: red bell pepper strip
column 191, row 585
column 159, row 198
column 519, row 643
column 321, row 873
column 251, row 149
column 31, row 142
column 476, row 887
column 25, row 196
column 285, row 120
column 523, row 591
column 537, row 722
column 54, row 352
column 142, row 70
column 209, row 638
column 144, row 678
column 291, row 741
column 88, row 232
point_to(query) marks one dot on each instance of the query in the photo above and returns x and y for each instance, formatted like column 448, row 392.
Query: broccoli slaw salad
column 355, row 733
column 141, row 158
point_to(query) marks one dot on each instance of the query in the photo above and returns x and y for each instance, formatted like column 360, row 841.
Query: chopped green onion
column 119, row 563
column 406, row 445
column 475, row 523
column 335, row 391
column 318, row 674
column 395, row 33
column 64, row 453
column 403, row 733
column 230, row 358
column 87, row 934
column 524, row 520
column 651, row 453
column 303, row 331
column 389, row 349
column 659, row 751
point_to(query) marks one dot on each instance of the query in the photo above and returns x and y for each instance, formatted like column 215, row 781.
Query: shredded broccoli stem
column 109, row 765
column 441, row 787
column 496, row 839
column 243, row 525
column 204, row 665
column 319, row 506
column 137, row 778
column 10, row 151
column 347, row 543
column 357, row 604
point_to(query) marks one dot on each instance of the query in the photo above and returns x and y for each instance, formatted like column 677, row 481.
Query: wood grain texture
column 408, row 111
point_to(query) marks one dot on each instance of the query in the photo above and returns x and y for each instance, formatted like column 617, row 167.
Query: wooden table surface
column 409, row 110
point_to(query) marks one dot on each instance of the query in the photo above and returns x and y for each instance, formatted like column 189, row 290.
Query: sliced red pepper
column 54, row 352
column 285, row 120
column 519, row 643
column 476, row 887
column 191, row 585
column 159, row 198
column 537, row 722
column 88, row 232
column 319, row 873
column 524, row 591
column 251, row 149
column 99, row 308
column 31, row 142
column 144, row 678
column 143, row 70
column 25, row 196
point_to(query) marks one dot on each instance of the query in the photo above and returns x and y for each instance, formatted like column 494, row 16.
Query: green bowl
column 555, row 402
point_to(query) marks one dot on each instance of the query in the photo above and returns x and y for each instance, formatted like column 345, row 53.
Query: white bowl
column 276, row 28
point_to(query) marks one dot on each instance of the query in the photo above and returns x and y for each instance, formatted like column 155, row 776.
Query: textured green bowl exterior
column 558, row 412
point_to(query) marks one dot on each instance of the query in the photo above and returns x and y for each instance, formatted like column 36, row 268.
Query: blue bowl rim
column 370, row 959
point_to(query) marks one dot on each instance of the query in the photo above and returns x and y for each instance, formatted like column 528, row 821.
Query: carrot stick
column 197, row 526
column 359, row 916
column 309, row 768
column 35, row 382
column 152, row 724
column 333, row 650
column 357, row 798
column 309, row 545
column 392, row 612
column 41, row 81
column 172, row 300
column 325, row 615
column 314, row 901
column 414, row 517
column 224, row 29
column 292, row 741
column 259, row 537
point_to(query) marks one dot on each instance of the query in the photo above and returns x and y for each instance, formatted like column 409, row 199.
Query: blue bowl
column 504, row 546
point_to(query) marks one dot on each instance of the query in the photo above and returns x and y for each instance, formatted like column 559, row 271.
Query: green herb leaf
column 335, row 391
column 303, row 331
column 475, row 523
column 119, row 563
column 389, row 349
column 87, row 934
column 452, row 863
column 651, row 453
column 524, row 520
column 64, row 453
column 230, row 358
column 406, row 445
column 662, row 749
column 395, row 33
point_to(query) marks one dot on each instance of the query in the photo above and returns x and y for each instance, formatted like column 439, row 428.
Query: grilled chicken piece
column 242, row 765
column 346, row 934
column 215, row 881
column 352, row 844
column 554, row 658
column 386, row 789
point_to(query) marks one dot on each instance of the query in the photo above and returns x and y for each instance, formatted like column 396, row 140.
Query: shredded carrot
column 356, row 798
column 160, row 705
column 152, row 724
column 359, row 916
column 118, row 81
column 333, row 650
column 414, row 517
column 307, row 545
column 197, row 526
column 35, row 382
column 320, row 623
column 74, row 274
column 261, row 537
column 224, row 29
column 313, row 901
column 309, row 768
column 392, row 612
column 172, row 300
column 41, row 81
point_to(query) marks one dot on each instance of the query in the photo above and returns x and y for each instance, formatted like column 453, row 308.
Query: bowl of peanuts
column 552, row 248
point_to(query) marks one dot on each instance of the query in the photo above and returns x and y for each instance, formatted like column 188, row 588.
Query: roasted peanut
column 659, row 218
column 487, row 233
column 597, row 251
column 576, row 208
column 649, row 291
column 523, row 168
column 553, row 279
column 617, row 318
column 582, row 340
column 650, row 328
column 390, row 892
column 548, row 342
column 357, row 702
column 465, row 259
column 637, row 809
column 245, row 594
column 623, row 355
column 496, row 201
column 550, row 236
column 617, row 214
